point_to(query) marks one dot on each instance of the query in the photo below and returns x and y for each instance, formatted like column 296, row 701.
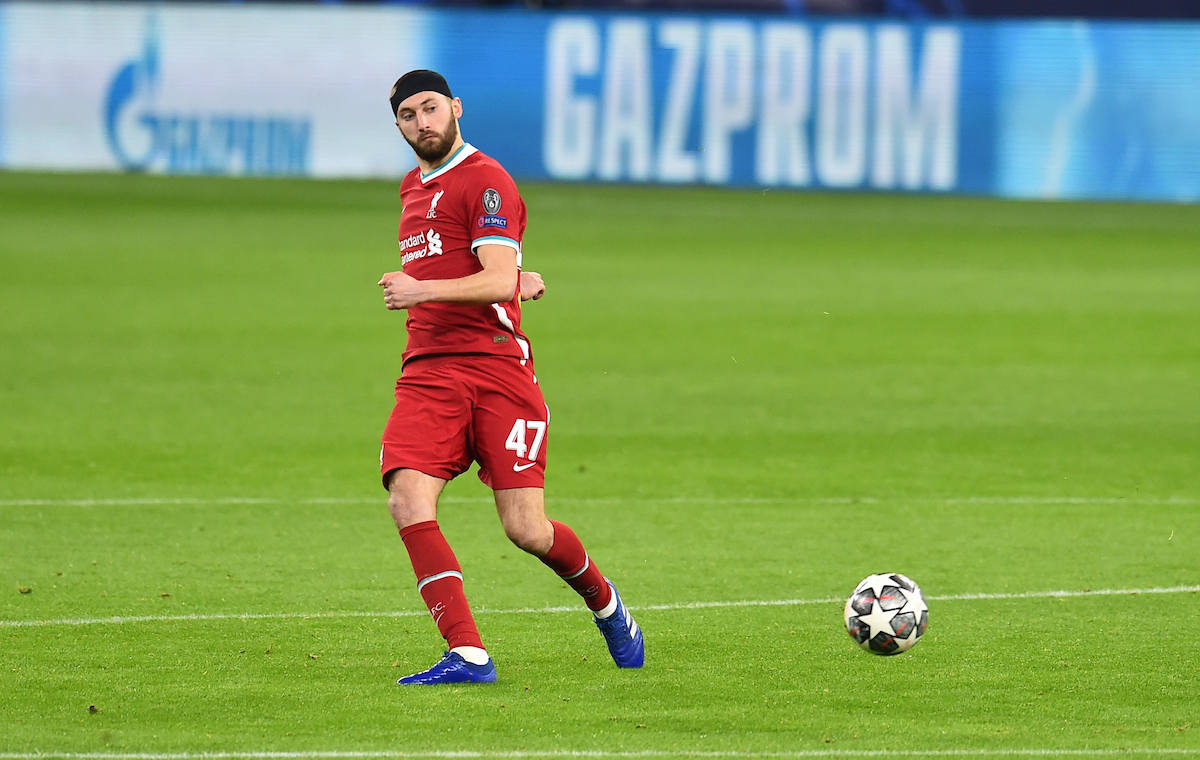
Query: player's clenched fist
column 532, row 287
column 401, row 291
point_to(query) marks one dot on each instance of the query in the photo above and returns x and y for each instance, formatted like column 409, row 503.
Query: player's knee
column 530, row 536
column 407, row 510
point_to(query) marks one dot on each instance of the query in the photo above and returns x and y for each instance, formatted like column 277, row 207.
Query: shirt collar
column 460, row 155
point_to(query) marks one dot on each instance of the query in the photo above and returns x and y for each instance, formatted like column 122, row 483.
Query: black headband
column 420, row 80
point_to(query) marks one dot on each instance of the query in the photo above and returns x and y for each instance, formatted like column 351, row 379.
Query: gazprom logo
column 143, row 137
column 673, row 99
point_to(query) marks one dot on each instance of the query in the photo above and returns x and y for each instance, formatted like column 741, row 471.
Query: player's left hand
column 532, row 286
column 400, row 291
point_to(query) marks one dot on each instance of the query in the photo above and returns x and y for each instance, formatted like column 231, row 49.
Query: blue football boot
column 624, row 638
column 452, row 668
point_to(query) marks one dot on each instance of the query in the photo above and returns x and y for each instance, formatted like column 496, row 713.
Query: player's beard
column 433, row 152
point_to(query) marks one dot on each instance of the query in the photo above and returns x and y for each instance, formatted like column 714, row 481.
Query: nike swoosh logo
column 523, row 467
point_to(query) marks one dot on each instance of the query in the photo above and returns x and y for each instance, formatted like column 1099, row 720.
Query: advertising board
column 1048, row 109
column 249, row 90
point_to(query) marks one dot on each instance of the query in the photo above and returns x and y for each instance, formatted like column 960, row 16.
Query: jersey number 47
column 516, row 438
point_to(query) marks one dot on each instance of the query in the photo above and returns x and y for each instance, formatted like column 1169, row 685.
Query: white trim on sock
column 609, row 608
column 587, row 562
column 448, row 574
column 473, row 655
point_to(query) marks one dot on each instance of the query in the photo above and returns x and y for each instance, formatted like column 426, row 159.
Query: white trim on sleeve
column 497, row 240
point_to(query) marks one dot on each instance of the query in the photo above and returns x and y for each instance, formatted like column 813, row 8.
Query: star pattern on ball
column 876, row 584
column 915, row 603
column 878, row 620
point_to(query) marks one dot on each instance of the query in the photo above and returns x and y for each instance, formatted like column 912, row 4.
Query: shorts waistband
column 430, row 361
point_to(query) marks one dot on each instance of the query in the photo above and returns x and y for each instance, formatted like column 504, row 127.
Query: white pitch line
column 965, row 500
column 449, row 754
column 117, row 620
column 1180, row 501
column 168, row 502
column 1082, row 592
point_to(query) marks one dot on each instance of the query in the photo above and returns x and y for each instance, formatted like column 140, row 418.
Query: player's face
column 429, row 123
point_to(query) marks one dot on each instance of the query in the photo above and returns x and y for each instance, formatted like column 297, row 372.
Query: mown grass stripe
column 352, row 755
column 115, row 620
column 236, row 500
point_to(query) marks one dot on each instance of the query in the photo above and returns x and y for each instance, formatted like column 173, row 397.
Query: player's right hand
column 532, row 286
column 401, row 291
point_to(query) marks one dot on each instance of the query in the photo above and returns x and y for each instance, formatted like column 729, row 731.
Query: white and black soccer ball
column 886, row 614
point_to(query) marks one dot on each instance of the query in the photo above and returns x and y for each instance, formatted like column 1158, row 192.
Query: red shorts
column 452, row 410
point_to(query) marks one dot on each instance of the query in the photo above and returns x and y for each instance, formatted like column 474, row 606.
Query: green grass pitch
column 756, row 397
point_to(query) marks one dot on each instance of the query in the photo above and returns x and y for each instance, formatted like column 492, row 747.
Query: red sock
column 439, row 581
column 568, row 558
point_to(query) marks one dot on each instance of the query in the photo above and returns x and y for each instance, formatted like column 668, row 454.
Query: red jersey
column 448, row 213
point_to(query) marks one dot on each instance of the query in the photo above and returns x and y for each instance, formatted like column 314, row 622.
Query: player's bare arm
column 533, row 286
column 495, row 284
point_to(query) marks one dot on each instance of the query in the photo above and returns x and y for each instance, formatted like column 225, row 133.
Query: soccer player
column 468, row 390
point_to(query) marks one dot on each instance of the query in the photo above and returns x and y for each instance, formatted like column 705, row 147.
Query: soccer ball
column 886, row 614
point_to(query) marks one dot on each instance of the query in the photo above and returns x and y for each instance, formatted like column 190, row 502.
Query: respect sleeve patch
column 491, row 220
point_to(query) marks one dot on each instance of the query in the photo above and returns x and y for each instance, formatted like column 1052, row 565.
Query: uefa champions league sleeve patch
column 491, row 201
